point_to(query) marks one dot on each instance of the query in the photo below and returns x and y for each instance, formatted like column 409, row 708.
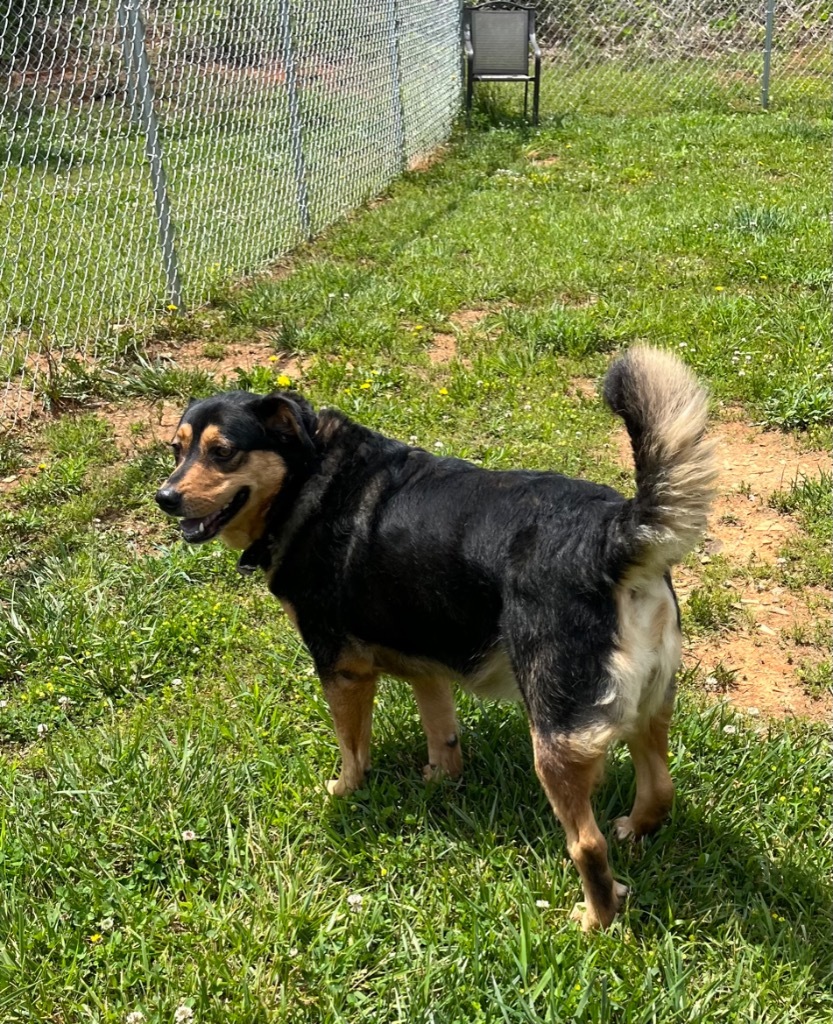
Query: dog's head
column 234, row 452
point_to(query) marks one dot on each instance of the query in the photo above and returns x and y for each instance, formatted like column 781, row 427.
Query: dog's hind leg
column 351, row 704
column 569, row 769
column 654, row 788
column 435, row 699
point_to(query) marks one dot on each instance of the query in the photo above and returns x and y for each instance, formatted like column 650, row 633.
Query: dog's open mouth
column 196, row 531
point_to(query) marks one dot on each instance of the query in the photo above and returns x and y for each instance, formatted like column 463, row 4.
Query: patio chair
column 498, row 37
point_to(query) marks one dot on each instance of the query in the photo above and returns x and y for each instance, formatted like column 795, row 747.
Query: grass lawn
column 165, row 840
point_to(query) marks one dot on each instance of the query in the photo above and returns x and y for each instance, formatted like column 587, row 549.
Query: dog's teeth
column 202, row 527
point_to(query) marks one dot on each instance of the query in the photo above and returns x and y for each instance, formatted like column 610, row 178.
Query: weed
column 812, row 500
column 816, row 677
column 12, row 453
column 709, row 609
column 214, row 350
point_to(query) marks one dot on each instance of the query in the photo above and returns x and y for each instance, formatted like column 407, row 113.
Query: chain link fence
column 650, row 55
column 150, row 149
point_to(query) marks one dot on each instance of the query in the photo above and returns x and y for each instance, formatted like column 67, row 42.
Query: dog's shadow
column 702, row 865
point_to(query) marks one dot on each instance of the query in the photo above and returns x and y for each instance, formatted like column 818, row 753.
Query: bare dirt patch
column 443, row 349
column 587, row 387
column 19, row 403
column 466, row 319
column 425, row 161
column 194, row 355
column 137, row 424
column 766, row 460
column 763, row 672
column 761, row 655
column 539, row 160
column 443, row 346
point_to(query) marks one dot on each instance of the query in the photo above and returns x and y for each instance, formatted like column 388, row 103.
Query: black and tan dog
column 523, row 585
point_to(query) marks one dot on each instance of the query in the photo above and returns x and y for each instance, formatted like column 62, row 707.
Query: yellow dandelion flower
column 96, row 938
column 365, row 386
column 284, row 381
column 273, row 359
column 719, row 288
column 171, row 307
column 443, row 391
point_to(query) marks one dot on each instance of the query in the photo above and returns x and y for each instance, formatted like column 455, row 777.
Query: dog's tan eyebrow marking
column 211, row 436
column 184, row 435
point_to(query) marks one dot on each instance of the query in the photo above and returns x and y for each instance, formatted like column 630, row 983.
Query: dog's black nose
column 168, row 500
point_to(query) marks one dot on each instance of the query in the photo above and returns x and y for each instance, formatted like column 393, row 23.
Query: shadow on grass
column 702, row 866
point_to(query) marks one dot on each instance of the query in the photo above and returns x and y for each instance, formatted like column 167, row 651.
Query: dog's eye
column 222, row 452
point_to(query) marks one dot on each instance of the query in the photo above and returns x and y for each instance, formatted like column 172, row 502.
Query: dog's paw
column 338, row 787
column 589, row 919
column 621, row 893
column 437, row 772
column 624, row 830
column 584, row 916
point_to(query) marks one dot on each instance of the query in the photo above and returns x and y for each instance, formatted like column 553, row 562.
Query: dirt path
column 756, row 664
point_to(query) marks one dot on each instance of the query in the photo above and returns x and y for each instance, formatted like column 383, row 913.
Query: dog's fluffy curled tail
column 664, row 409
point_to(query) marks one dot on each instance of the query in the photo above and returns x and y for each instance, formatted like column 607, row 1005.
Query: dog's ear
column 290, row 416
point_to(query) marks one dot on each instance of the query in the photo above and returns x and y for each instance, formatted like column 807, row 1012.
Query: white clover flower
column 43, row 729
column 4, row 703
column 176, row 682
column 106, row 924
column 355, row 901
column 134, row 1017
column 542, row 904
column 182, row 1014
column 188, row 835
column 730, row 730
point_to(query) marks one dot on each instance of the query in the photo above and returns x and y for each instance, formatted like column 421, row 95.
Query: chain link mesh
column 611, row 55
column 149, row 148
column 220, row 132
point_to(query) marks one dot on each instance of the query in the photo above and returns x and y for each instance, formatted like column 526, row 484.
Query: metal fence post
column 140, row 94
column 295, row 123
column 395, row 58
column 770, row 22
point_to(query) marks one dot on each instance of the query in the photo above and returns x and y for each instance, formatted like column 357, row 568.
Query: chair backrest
column 500, row 38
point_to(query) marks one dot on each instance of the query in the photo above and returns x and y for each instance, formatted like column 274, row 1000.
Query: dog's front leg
column 350, row 697
column 436, row 709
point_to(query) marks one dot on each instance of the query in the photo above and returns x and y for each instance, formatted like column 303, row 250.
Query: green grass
column 176, row 699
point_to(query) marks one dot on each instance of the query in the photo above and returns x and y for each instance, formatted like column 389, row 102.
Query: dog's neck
column 302, row 493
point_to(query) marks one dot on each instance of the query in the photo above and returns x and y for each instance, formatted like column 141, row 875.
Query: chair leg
column 526, row 97
column 536, row 92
